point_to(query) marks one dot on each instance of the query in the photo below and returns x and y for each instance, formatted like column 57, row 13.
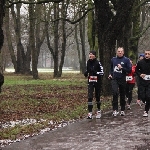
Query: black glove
column 86, row 74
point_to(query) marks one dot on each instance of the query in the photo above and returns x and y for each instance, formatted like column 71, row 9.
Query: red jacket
column 130, row 78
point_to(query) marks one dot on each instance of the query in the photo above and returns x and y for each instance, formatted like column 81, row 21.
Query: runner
column 94, row 72
column 143, row 72
column 130, row 83
column 120, row 66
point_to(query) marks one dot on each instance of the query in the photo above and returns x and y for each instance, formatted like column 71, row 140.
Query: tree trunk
column 82, row 37
column 56, row 39
column 91, row 27
column 9, row 39
column 2, row 13
column 64, row 37
column 109, row 28
column 20, row 48
column 32, row 42
column 78, row 48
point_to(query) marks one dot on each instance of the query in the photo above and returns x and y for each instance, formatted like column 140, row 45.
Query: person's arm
column 111, row 70
column 138, row 69
column 100, row 69
column 128, row 67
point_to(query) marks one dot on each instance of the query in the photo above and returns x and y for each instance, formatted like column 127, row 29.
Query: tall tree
column 109, row 27
column 2, row 13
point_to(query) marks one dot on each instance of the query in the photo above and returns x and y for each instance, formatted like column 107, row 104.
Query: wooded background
column 60, row 33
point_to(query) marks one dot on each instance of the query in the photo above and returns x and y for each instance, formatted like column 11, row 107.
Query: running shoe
column 145, row 114
column 89, row 115
column 122, row 113
column 98, row 115
column 115, row 113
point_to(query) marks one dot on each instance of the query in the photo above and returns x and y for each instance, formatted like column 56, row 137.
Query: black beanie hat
column 93, row 52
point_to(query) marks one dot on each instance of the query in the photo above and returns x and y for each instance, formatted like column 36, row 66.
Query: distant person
column 94, row 71
column 130, row 83
column 139, row 100
column 1, row 81
column 143, row 72
column 120, row 66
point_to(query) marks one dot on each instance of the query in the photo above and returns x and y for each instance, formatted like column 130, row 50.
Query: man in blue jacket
column 120, row 66
column 94, row 71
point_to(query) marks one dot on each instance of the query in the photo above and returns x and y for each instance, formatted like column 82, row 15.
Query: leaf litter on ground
column 29, row 108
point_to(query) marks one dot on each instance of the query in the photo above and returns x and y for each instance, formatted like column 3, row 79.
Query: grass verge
column 27, row 106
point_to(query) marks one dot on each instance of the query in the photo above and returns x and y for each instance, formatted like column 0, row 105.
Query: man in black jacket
column 94, row 72
column 143, row 72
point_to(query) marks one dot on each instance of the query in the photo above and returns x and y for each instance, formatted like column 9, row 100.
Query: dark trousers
column 118, row 88
column 145, row 95
column 129, row 89
column 138, row 87
column 94, row 86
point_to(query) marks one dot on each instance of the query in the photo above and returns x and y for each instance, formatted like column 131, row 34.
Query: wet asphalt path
column 130, row 132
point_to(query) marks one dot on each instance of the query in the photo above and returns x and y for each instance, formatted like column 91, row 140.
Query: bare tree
column 2, row 13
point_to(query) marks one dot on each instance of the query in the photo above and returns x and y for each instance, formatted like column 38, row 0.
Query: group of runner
column 123, row 75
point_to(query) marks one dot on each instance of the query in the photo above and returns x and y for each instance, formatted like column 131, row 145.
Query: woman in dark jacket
column 94, row 72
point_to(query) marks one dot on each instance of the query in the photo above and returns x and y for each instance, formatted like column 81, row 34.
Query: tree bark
column 9, row 39
column 2, row 13
column 32, row 42
column 56, row 39
column 109, row 27
column 64, row 37
column 82, row 37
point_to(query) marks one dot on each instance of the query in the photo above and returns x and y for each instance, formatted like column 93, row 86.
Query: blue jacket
column 120, row 73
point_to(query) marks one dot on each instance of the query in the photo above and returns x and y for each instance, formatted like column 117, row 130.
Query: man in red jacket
column 130, row 83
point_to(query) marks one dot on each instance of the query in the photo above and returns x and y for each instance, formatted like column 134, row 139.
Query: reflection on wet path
column 130, row 132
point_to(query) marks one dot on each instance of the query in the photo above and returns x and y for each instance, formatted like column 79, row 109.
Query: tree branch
column 142, row 3
column 35, row 2
column 141, row 34
column 74, row 22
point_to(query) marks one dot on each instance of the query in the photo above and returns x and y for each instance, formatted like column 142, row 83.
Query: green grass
column 44, row 99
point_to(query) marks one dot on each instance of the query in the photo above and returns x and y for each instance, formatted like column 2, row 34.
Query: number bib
column 93, row 79
column 129, row 78
column 147, row 77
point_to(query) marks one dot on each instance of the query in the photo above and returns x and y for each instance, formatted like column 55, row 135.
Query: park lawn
column 47, row 100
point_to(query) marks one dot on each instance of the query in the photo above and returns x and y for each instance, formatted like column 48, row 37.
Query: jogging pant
column 118, row 88
column 138, row 88
column 129, row 89
column 145, row 95
column 96, row 86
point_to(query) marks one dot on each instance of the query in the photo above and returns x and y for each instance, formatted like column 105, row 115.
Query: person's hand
column 110, row 76
column 142, row 75
column 119, row 66
column 85, row 74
